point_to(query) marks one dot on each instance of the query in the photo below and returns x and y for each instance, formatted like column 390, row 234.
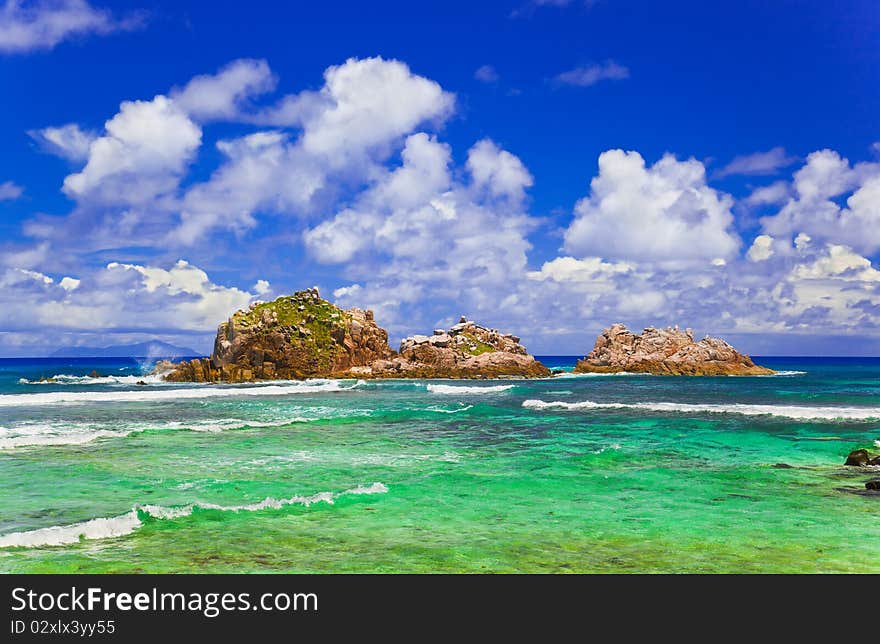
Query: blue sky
column 545, row 167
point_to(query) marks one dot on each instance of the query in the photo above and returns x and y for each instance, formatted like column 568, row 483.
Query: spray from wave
column 783, row 411
column 125, row 524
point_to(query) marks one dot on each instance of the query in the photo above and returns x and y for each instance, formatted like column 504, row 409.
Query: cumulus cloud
column 758, row 163
column 346, row 128
column 761, row 248
column 117, row 297
column 67, row 141
column 421, row 236
column 364, row 103
column 143, row 153
column 27, row 26
column 498, row 171
column 815, row 207
column 10, row 191
column 837, row 290
column 662, row 213
column 224, row 95
column 588, row 75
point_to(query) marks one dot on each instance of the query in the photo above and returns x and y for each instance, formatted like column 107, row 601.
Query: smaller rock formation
column 872, row 484
column 466, row 350
column 665, row 352
column 861, row 458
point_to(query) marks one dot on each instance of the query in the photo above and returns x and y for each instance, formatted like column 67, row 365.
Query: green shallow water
column 470, row 481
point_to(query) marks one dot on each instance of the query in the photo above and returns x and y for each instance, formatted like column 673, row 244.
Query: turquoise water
column 570, row 474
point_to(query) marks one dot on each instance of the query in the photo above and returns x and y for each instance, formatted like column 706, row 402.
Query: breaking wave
column 467, row 389
column 49, row 434
column 148, row 395
column 125, row 524
column 66, row 379
column 783, row 411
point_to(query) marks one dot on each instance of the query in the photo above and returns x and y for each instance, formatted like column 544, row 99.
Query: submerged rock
column 858, row 458
column 296, row 336
column 872, row 484
column 465, row 350
column 665, row 352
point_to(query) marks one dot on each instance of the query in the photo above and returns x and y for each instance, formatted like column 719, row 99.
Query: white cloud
column 119, row 296
column 497, row 170
column 836, row 290
column 261, row 287
column 69, row 283
column 486, row 74
column 67, row 141
column 364, row 103
column 758, row 163
column 761, row 248
column 43, row 24
column 815, row 210
column 224, row 95
column 776, row 193
column 422, row 238
column 113, row 304
column 347, row 128
column 569, row 269
column 662, row 213
column 588, row 75
column 10, row 191
column 143, row 153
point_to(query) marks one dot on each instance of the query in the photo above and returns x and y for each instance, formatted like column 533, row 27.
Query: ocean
column 593, row 473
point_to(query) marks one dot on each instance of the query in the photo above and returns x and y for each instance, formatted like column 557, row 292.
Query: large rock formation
column 297, row 336
column 665, row 352
column 467, row 350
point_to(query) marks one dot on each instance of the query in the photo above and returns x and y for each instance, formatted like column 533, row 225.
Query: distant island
column 150, row 349
column 304, row 336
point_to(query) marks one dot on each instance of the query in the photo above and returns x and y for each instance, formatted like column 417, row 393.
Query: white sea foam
column 66, row 379
column 468, row 389
column 784, row 373
column 184, row 393
column 125, row 524
column 785, row 411
column 449, row 411
column 69, row 433
column 571, row 374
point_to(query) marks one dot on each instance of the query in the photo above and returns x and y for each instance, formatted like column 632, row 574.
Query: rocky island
column 665, row 352
column 292, row 337
column 466, row 350
column 304, row 336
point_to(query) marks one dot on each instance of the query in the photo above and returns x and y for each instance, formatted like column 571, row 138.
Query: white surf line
column 125, row 524
column 144, row 395
column 467, row 389
column 784, row 411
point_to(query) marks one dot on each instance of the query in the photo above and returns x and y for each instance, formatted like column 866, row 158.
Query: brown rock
column 665, row 352
column 467, row 350
column 296, row 336
column 858, row 457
